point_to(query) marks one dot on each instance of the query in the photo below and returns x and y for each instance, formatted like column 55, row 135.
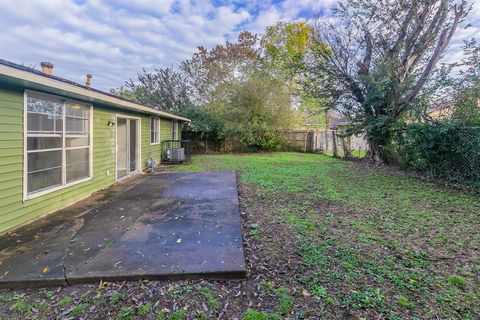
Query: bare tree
column 381, row 55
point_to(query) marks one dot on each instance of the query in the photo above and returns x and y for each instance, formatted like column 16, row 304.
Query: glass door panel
column 133, row 145
column 122, row 147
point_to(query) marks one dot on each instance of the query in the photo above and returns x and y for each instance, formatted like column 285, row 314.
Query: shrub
column 442, row 149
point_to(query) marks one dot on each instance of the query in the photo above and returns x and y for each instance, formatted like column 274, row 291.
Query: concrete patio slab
column 168, row 226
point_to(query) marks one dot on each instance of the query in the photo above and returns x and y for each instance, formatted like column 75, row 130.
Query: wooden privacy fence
column 330, row 142
column 203, row 143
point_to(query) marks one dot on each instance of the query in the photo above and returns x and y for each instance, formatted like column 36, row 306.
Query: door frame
column 138, row 148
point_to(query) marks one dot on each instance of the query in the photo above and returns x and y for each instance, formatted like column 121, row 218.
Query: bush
column 442, row 150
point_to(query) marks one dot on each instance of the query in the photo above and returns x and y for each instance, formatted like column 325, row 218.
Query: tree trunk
column 375, row 154
column 378, row 152
column 379, row 135
column 334, row 144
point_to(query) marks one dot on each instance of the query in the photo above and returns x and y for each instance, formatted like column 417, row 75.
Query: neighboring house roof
column 440, row 104
column 440, row 109
column 310, row 124
column 335, row 123
column 31, row 78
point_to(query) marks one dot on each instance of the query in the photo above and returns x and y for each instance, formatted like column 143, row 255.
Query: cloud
column 116, row 39
column 468, row 29
column 162, row 7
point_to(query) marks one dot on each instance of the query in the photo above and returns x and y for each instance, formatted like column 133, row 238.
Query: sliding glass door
column 127, row 146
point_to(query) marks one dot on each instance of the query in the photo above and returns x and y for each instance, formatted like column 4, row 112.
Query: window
column 58, row 142
column 154, row 130
column 174, row 129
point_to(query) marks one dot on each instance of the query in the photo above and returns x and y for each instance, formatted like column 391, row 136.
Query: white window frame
column 174, row 130
column 35, row 194
column 138, row 149
column 157, row 130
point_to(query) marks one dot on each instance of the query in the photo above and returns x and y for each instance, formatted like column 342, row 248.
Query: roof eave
column 33, row 80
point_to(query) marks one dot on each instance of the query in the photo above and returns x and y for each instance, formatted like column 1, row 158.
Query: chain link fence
column 464, row 164
column 444, row 152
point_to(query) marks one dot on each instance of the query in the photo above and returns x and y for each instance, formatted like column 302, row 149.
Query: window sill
column 154, row 143
column 53, row 189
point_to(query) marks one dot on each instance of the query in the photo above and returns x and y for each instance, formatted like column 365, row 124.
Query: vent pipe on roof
column 89, row 78
column 47, row 67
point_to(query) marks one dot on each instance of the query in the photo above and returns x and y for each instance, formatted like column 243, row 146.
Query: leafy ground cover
column 324, row 238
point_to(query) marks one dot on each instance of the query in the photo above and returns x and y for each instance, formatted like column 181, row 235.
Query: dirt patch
column 324, row 239
column 271, row 264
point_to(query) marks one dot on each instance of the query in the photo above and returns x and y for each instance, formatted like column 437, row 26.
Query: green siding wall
column 149, row 150
column 166, row 130
column 13, row 211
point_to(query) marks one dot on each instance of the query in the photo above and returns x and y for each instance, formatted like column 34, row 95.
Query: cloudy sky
column 115, row 39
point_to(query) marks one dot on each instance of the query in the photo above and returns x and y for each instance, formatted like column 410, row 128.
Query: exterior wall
column 166, row 130
column 13, row 210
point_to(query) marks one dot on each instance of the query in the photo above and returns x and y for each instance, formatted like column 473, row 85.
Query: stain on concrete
column 168, row 225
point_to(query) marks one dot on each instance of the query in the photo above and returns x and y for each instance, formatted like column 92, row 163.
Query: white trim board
column 159, row 120
column 26, row 195
column 81, row 92
column 138, row 147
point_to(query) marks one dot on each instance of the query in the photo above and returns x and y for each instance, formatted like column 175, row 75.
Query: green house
column 60, row 141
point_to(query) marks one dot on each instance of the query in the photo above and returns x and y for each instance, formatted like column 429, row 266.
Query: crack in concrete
column 166, row 209
column 79, row 222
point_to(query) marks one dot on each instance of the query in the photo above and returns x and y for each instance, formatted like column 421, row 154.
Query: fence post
column 305, row 137
column 334, row 143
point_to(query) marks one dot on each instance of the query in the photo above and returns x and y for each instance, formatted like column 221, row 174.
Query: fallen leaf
column 68, row 311
column 122, row 217
column 305, row 293
column 46, row 269
column 179, row 240
column 101, row 285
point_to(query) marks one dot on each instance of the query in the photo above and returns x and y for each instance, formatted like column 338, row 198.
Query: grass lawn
column 324, row 238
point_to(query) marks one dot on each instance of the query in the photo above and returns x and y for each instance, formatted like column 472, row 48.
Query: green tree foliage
column 467, row 110
column 286, row 46
column 313, row 111
column 242, row 90
column 443, row 150
column 447, row 148
column 253, row 110
column 381, row 60
column 467, row 106
column 164, row 89
column 208, row 72
column 196, row 83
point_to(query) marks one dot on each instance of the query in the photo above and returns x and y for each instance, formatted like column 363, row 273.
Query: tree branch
column 364, row 66
column 442, row 44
